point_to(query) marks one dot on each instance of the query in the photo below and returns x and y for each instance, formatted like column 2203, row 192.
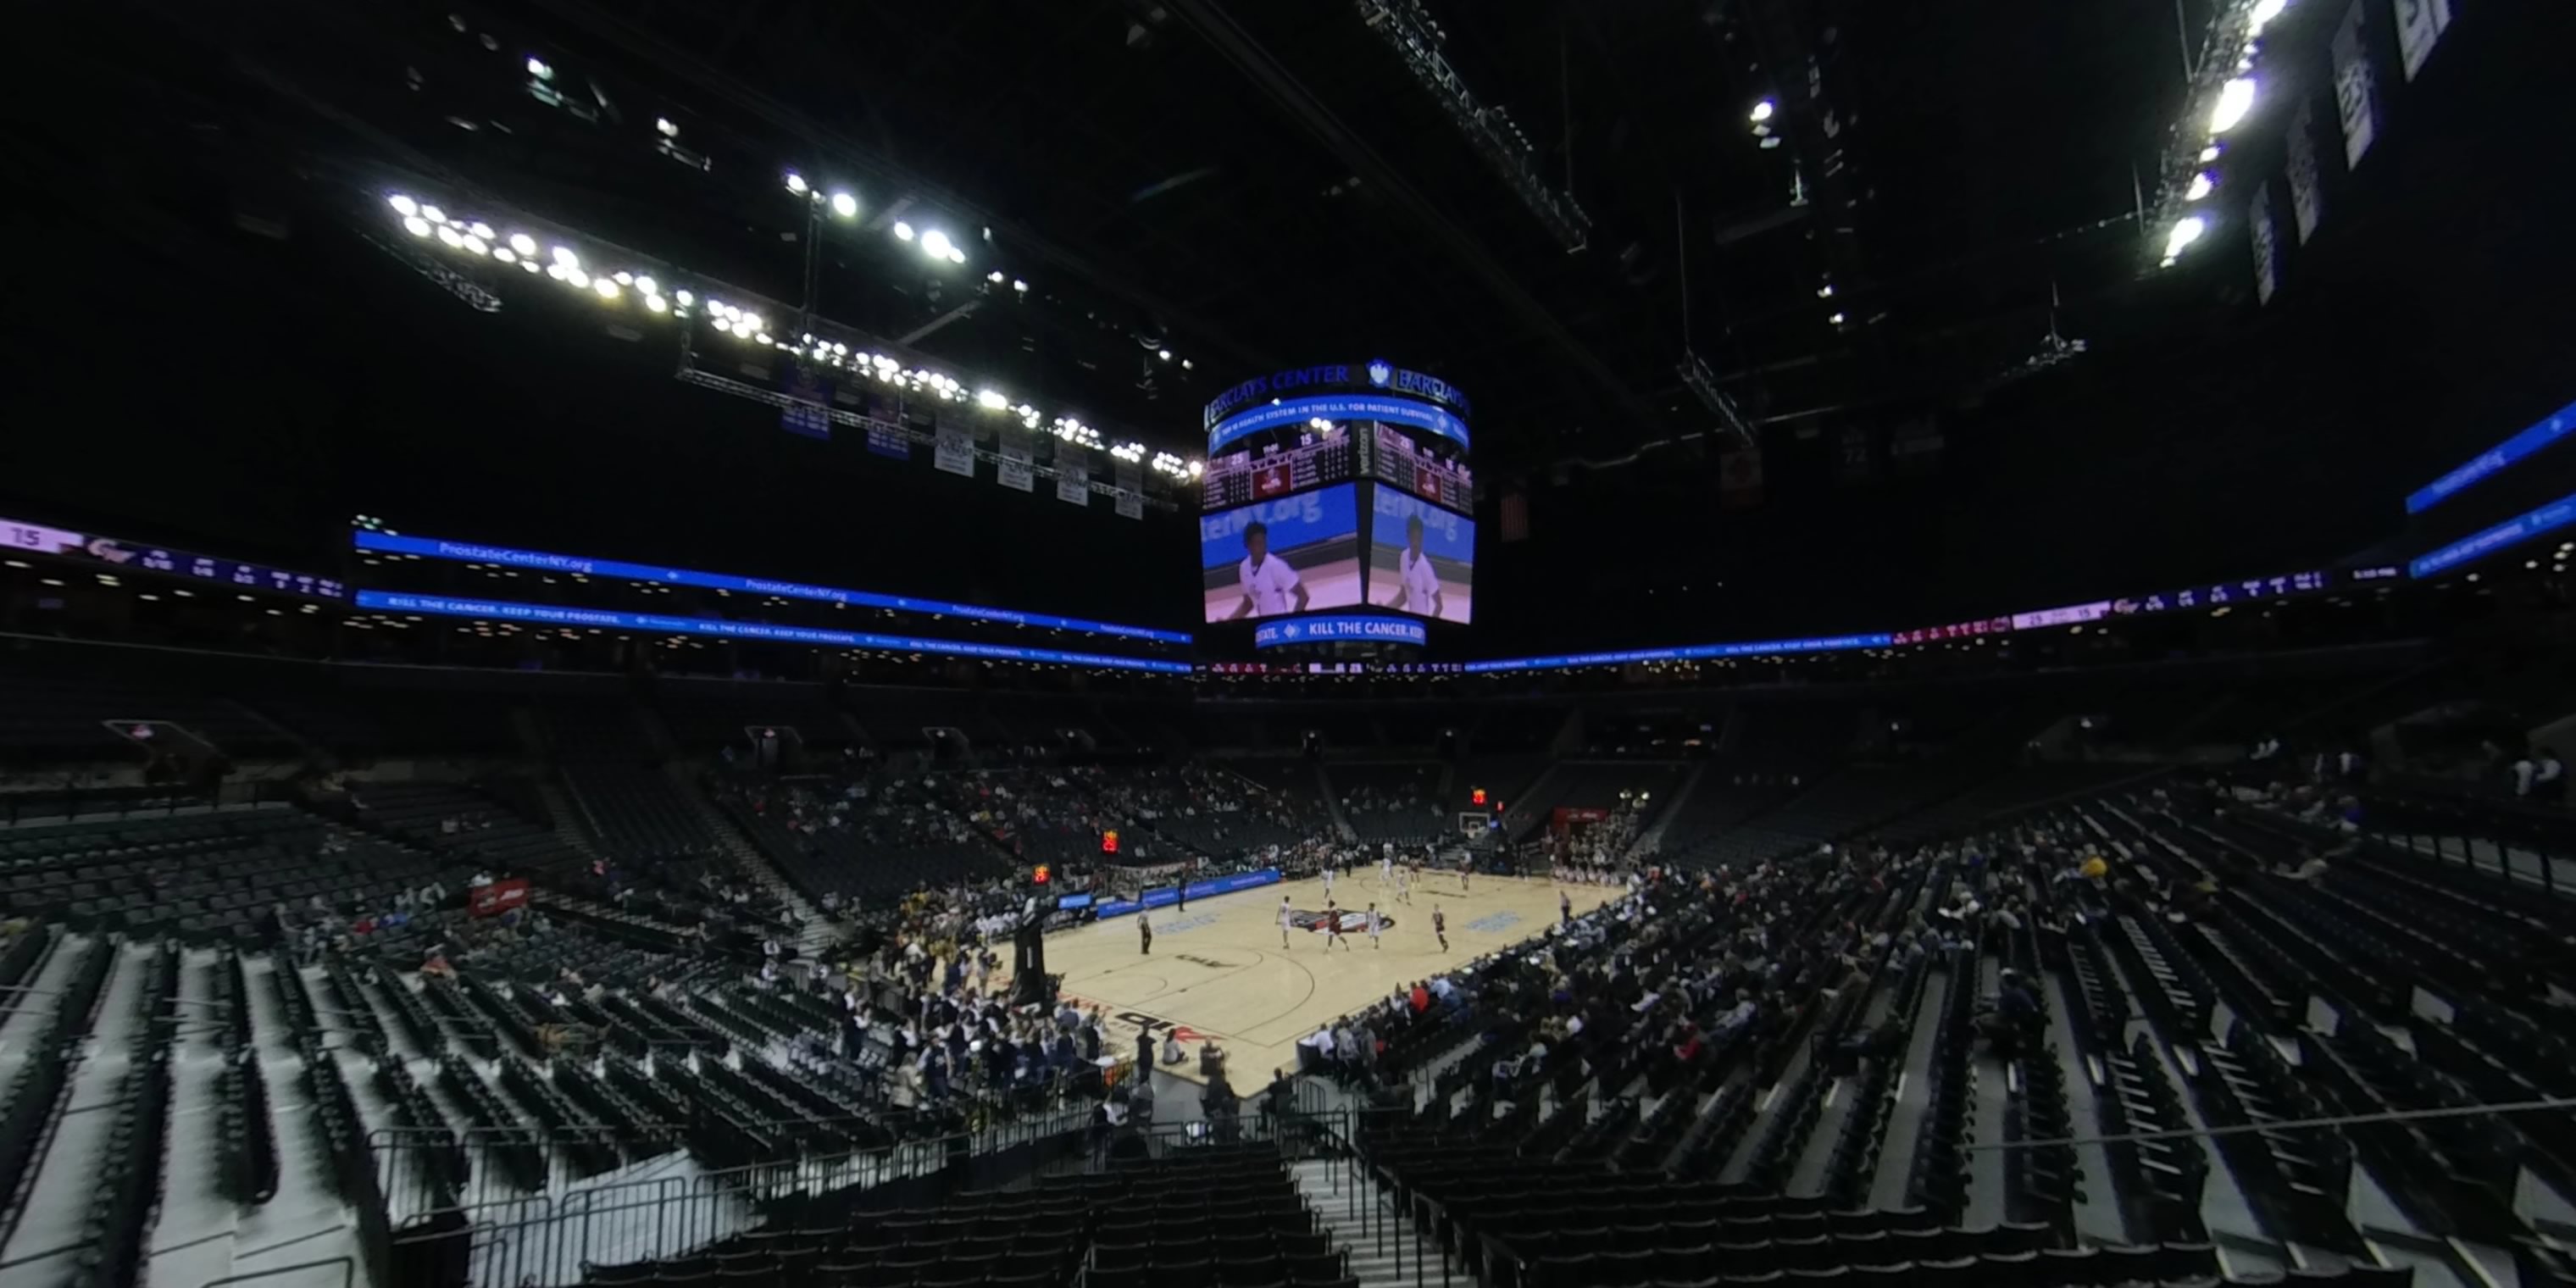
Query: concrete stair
column 1382, row 1245
column 818, row 932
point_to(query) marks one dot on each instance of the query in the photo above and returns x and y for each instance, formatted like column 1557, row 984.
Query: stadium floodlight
column 2263, row 13
column 1825, row 292
column 956, row 254
column 845, row 205
column 1185, row 364
column 530, row 264
column 645, row 284
column 2202, row 184
column 415, row 225
column 403, row 205
column 1762, row 111
column 624, row 278
column 991, row 400
column 656, row 303
column 1019, row 286
column 2235, row 99
column 606, row 286
column 505, row 254
column 565, row 257
column 684, row 298
column 476, row 245
column 1197, row 468
column 796, row 184
column 2209, row 154
column 537, row 67
column 448, row 237
column 576, row 278
column 666, row 127
column 2185, row 232
column 433, row 214
column 902, row 231
column 523, row 243
column 1836, row 319
column 995, row 277
column 482, row 230
column 936, row 245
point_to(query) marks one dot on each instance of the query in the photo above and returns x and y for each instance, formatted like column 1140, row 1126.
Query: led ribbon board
column 2503, row 536
column 2495, row 460
column 1344, row 626
column 1338, row 407
column 1697, row 652
column 718, row 628
column 475, row 552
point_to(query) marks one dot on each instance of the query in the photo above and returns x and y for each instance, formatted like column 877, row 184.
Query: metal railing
column 544, row 1239
column 539, row 1241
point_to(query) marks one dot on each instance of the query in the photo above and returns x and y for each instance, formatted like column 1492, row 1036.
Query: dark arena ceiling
column 1888, row 283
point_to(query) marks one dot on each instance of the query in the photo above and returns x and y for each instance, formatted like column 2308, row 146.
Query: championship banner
column 2267, row 244
column 2420, row 24
column 889, row 440
column 2356, row 84
column 1130, row 483
column 497, row 898
column 1739, row 478
column 1014, row 472
column 2299, row 166
column 809, row 413
column 1072, row 481
column 952, row 449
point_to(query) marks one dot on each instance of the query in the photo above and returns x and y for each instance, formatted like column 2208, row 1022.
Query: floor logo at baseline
column 1179, row 924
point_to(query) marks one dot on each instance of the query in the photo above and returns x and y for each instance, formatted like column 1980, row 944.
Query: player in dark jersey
column 1145, row 932
column 1440, row 926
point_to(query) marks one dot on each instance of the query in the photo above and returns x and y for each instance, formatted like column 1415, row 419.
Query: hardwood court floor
column 1218, row 973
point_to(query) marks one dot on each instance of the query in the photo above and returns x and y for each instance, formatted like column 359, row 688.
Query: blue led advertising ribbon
column 2495, row 460
column 2512, row 532
column 475, row 552
column 1338, row 407
column 1697, row 652
column 656, row 624
column 1345, row 626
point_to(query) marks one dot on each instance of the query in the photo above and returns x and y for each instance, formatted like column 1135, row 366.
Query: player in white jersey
column 1270, row 586
column 1328, row 880
column 1287, row 919
column 1403, row 886
column 1376, row 924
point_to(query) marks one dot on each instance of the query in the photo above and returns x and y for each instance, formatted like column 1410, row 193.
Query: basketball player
column 1386, row 869
column 1268, row 584
column 1403, row 886
column 1287, row 918
column 1145, row 934
column 1376, row 924
column 1417, row 585
column 1564, row 908
column 1328, row 881
column 1466, row 868
column 1333, row 927
column 1440, row 926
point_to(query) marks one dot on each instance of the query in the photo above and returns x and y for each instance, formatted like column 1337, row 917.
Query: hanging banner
column 2299, row 166
column 1130, row 485
column 1739, row 478
column 1855, row 457
column 810, row 413
column 1131, row 506
column 2420, row 24
column 1014, row 472
column 952, row 449
column 2356, row 84
column 889, row 440
column 1072, row 482
column 2267, row 244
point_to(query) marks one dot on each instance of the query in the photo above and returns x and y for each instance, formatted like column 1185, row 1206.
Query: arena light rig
column 559, row 260
column 2224, row 91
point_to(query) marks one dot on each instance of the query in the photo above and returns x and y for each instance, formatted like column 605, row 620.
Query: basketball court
column 1217, row 972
